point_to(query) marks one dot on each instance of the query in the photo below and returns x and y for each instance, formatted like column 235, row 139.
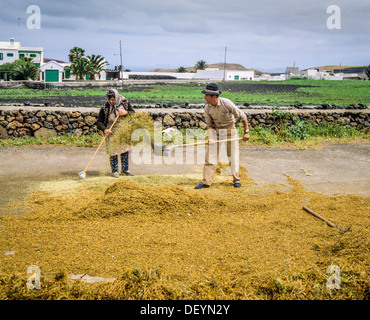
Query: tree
column 367, row 72
column 8, row 66
column 79, row 67
column 24, row 69
column 181, row 70
column 96, row 64
column 75, row 53
column 201, row 65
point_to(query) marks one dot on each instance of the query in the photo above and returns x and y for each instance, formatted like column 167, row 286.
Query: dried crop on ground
column 133, row 129
column 161, row 239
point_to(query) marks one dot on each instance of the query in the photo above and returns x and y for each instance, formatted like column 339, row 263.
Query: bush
column 299, row 129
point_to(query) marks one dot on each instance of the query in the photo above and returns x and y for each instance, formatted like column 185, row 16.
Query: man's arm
column 210, row 131
column 209, row 125
column 246, row 129
column 240, row 114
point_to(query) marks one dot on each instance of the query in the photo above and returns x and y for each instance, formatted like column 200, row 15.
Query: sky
column 267, row 35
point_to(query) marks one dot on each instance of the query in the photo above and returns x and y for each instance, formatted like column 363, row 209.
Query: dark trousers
column 124, row 162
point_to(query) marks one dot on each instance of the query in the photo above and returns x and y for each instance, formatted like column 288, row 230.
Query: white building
column 12, row 50
column 271, row 77
column 52, row 71
column 317, row 75
column 212, row 74
column 227, row 75
column 9, row 51
column 177, row 75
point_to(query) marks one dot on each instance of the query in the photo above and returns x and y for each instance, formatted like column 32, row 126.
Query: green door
column 51, row 75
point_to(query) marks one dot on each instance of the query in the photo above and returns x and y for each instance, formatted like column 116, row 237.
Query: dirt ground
column 332, row 169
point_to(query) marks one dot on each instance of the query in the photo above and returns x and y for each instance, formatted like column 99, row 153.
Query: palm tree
column 181, row 70
column 25, row 69
column 79, row 67
column 27, row 59
column 8, row 66
column 201, row 65
column 96, row 63
column 367, row 72
column 75, row 53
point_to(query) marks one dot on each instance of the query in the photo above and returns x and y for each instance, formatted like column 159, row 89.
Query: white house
column 177, row 75
column 227, row 75
column 272, row 77
column 12, row 50
column 212, row 74
column 36, row 53
column 52, row 71
column 9, row 51
column 317, row 75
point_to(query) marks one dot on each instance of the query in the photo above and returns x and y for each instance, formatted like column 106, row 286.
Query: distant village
column 52, row 70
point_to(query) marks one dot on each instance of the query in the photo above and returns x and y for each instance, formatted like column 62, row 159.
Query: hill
column 220, row 65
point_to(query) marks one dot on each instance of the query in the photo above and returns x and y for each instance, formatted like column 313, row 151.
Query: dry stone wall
column 43, row 123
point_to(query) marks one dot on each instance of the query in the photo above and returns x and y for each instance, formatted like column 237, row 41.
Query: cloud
column 170, row 33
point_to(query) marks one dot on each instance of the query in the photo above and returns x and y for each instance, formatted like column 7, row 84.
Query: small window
column 9, row 54
column 32, row 55
column 1, row 56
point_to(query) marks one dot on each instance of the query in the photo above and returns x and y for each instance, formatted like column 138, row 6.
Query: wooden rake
column 82, row 174
column 170, row 148
column 329, row 223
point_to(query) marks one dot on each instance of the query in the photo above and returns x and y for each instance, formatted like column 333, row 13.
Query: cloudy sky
column 266, row 34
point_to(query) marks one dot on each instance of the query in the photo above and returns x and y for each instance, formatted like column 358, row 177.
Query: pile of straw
column 130, row 131
column 220, row 243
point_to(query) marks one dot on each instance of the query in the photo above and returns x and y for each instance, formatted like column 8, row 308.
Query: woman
column 116, row 106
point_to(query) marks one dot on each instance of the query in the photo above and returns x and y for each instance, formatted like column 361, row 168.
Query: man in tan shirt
column 221, row 115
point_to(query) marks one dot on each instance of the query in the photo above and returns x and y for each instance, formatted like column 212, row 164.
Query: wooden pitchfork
column 329, row 223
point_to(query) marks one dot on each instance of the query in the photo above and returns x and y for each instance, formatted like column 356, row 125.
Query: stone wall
column 40, row 123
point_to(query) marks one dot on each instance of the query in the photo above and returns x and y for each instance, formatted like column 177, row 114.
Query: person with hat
column 221, row 115
column 116, row 106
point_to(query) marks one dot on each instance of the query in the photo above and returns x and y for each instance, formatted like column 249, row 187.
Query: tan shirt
column 224, row 114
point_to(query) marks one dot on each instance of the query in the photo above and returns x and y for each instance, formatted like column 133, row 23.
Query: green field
column 272, row 93
column 320, row 91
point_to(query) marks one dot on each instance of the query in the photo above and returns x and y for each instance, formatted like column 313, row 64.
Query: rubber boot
column 114, row 165
column 124, row 163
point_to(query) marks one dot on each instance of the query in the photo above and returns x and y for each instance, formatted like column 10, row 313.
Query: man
column 221, row 115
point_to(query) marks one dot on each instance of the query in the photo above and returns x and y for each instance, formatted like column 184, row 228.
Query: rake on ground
column 82, row 174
